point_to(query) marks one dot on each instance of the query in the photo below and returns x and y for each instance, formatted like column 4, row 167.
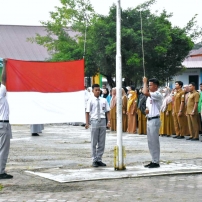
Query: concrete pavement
column 64, row 147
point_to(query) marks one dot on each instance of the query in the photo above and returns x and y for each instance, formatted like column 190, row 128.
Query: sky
column 31, row 12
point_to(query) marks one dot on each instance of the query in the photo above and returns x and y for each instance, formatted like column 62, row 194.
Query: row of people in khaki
column 178, row 116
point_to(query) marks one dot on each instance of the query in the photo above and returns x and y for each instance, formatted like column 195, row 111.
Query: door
column 195, row 79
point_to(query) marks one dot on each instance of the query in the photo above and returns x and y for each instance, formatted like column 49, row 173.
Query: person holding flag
column 5, row 127
column 153, row 105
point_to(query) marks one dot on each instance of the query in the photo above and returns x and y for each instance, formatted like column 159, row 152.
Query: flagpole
column 119, row 152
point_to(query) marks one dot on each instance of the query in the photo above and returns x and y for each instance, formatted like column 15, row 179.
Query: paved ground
column 64, row 146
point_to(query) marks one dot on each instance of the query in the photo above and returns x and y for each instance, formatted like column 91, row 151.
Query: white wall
column 184, row 77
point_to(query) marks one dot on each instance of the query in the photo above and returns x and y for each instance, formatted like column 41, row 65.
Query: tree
column 1, row 63
column 72, row 16
column 165, row 46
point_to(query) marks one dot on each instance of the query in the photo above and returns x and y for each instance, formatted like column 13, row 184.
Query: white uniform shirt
column 154, row 103
column 92, row 107
column 4, row 108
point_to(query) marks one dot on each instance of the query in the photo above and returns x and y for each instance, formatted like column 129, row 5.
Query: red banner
column 25, row 76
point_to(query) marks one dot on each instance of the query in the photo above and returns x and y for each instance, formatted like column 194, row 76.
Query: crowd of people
column 180, row 112
column 151, row 110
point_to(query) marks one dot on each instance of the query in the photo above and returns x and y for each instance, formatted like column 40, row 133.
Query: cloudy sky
column 30, row 12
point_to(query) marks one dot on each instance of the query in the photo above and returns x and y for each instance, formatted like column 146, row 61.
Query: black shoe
column 146, row 166
column 167, row 135
column 194, row 139
column 190, row 138
column 95, row 164
column 100, row 163
column 5, row 176
column 35, row 134
column 180, row 137
column 83, row 124
column 176, row 136
column 154, row 165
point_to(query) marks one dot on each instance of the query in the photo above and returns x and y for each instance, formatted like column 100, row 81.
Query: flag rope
column 143, row 61
column 84, row 45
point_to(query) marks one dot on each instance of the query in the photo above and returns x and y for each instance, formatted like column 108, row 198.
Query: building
column 14, row 42
column 193, row 71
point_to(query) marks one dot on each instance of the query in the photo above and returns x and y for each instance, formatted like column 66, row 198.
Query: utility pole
column 119, row 153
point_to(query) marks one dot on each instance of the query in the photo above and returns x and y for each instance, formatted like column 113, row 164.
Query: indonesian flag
column 45, row 92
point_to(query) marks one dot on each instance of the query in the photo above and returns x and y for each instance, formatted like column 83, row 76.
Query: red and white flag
column 45, row 92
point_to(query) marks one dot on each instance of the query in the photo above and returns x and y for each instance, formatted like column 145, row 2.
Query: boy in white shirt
column 153, row 105
column 97, row 107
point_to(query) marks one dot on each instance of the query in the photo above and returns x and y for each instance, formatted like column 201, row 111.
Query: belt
column 154, row 117
column 97, row 119
column 6, row 121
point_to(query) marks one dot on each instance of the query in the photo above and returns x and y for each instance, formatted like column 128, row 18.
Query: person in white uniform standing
column 153, row 105
column 5, row 127
column 36, row 129
column 97, row 107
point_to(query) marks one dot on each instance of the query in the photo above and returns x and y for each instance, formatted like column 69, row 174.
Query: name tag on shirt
column 103, row 106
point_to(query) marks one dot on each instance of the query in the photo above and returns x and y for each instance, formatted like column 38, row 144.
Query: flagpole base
column 119, row 165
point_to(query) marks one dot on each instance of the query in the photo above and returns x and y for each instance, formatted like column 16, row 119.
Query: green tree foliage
column 165, row 46
column 73, row 15
column 1, row 187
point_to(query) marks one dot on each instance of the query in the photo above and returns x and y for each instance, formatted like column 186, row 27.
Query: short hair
column 95, row 86
column 180, row 83
column 155, row 81
column 193, row 84
column 132, row 87
column 200, row 84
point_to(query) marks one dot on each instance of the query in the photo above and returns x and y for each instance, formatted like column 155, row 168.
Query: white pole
column 119, row 86
column 143, row 62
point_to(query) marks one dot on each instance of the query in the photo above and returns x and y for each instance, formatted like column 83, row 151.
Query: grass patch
column 1, row 187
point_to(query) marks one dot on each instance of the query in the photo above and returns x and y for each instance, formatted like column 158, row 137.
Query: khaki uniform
column 167, row 125
column 180, row 122
column 142, row 123
column 113, row 118
column 124, row 115
column 193, row 123
column 142, row 119
column 132, row 118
